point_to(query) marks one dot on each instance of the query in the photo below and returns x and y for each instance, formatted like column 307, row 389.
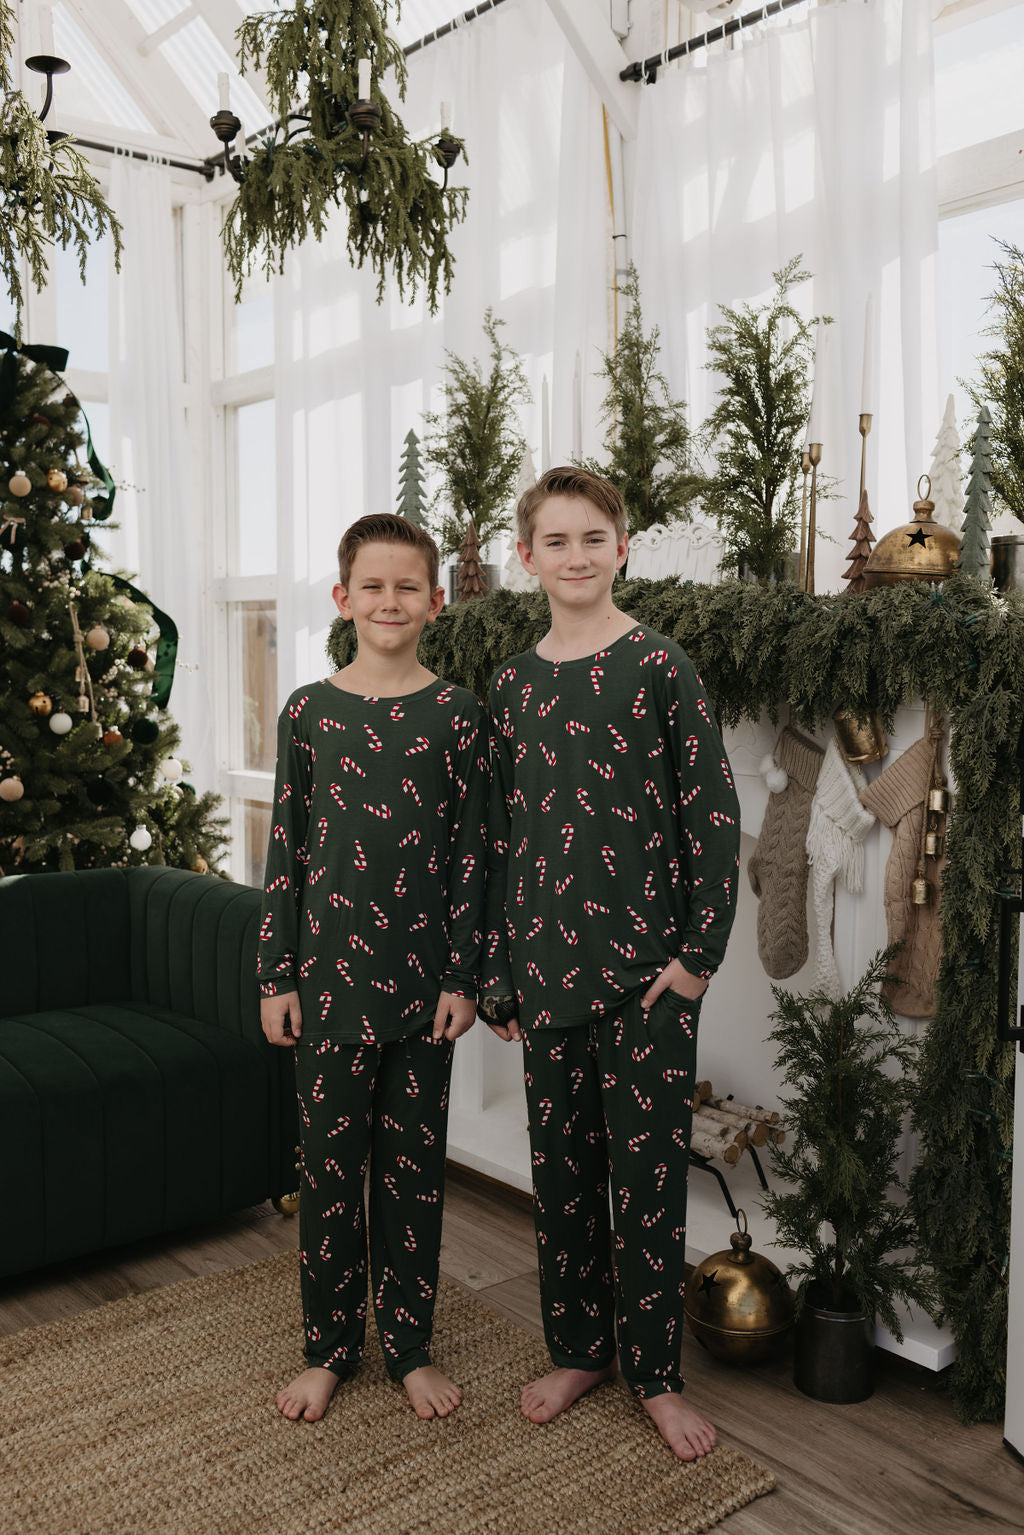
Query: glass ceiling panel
column 154, row 13
column 91, row 89
column 197, row 58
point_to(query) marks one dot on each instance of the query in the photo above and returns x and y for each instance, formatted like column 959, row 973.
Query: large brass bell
column 922, row 550
column 738, row 1303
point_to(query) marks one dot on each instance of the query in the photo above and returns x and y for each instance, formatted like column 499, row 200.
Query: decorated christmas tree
column 89, row 772
column 470, row 580
column 974, row 539
column 863, row 538
column 477, row 444
column 647, row 442
column 411, row 497
column 947, row 481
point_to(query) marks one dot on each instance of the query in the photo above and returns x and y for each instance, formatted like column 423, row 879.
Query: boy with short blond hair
column 368, row 958
column 611, row 892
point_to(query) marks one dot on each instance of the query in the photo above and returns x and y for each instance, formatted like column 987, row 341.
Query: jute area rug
column 156, row 1414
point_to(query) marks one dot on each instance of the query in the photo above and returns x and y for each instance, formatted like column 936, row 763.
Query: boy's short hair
column 570, row 481
column 386, row 528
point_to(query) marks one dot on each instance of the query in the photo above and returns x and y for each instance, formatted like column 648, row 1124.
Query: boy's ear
column 525, row 554
column 340, row 595
column 621, row 550
column 436, row 603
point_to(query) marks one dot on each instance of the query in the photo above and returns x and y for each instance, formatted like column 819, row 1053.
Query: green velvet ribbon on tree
column 166, row 645
column 56, row 359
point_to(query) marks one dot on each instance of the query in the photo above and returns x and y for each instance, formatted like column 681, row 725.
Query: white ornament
column 60, row 723
column 97, row 638
column 776, row 780
column 11, row 789
column 171, row 769
column 141, row 839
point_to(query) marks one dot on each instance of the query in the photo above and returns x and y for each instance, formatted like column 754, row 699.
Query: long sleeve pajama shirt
column 614, row 849
column 373, row 906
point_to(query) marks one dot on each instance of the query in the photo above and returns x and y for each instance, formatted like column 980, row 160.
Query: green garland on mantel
column 962, row 649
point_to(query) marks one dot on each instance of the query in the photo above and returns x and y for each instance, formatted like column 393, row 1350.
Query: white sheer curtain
column 352, row 377
column 159, row 537
column 816, row 137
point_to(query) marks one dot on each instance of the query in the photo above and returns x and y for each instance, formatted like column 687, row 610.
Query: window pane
column 256, row 520
column 82, row 310
column 967, row 249
column 256, row 821
column 254, row 326
column 254, row 683
column 977, row 80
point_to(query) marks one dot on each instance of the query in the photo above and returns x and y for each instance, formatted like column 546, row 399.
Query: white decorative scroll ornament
column 692, row 550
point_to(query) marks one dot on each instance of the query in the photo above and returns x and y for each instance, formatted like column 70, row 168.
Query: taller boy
column 612, row 890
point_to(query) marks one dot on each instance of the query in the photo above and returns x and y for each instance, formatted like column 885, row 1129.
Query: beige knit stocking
column 778, row 865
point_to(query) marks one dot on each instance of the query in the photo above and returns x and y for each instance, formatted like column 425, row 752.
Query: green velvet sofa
column 137, row 1092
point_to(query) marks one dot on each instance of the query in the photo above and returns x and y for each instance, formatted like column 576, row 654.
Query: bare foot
column 432, row 1394
column 544, row 1399
column 684, row 1430
column 308, row 1394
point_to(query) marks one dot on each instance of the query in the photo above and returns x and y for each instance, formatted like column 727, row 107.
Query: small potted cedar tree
column 852, row 1073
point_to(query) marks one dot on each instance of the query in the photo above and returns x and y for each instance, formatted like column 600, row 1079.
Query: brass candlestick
column 864, row 428
column 805, row 464
column 814, row 453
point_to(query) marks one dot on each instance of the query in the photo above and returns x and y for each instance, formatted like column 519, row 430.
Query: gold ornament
column 920, row 891
column 40, row 704
column 738, row 1304
column 56, row 479
column 921, row 550
column 286, row 1204
column 860, row 740
column 19, row 483
column 11, row 789
column 201, row 866
column 933, row 844
column 938, row 799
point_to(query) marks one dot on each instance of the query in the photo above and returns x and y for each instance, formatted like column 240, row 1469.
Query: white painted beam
column 152, row 83
column 587, row 30
column 223, row 18
column 151, row 42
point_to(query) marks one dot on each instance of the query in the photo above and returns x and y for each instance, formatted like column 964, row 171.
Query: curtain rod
column 647, row 71
column 208, row 168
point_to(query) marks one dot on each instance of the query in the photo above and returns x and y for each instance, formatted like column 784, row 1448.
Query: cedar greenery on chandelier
column 338, row 141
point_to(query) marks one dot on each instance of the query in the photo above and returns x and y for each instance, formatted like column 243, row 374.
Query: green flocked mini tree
column 647, row 442
column 477, row 444
column 852, row 1073
column 762, row 356
column 974, row 538
column 89, row 774
column 412, row 499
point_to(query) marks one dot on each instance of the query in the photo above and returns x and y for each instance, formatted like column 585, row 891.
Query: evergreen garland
column 647, row 440
column 1000, row 381
column 476, row 443
column 961, row 648
column 48, row 195
column 399, row 214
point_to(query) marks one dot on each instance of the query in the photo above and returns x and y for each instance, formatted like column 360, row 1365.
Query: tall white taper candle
column 577, row 410
column 223, row 95
column 545, row 427
column 446, row 116
column 817, row 390
column 869, row 336
column 364, row 79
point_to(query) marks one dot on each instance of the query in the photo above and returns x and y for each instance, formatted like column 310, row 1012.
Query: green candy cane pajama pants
column 612, row 1100
column 386, row 1106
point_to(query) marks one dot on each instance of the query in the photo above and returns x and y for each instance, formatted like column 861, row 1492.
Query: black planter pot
column 834, row 1352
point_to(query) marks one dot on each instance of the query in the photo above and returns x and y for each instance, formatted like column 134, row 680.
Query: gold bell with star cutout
column 738, row 1303
column 921, row 550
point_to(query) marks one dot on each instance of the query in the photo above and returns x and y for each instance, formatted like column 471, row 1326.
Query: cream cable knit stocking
column 835, row 837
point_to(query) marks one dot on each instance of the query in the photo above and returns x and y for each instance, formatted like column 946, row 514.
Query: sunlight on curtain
column 353, row 377
column 817, row 137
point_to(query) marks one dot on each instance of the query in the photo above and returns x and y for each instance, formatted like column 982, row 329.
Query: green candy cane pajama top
column 373, row 906
column 614, row 848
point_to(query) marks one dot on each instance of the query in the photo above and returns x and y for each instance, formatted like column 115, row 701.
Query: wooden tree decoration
column 947, row 481
column 411, row 498
column 863, row 538
column 974, row 542
column 470, row 580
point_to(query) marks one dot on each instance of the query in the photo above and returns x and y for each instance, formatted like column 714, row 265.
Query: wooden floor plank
column 898, row 1464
